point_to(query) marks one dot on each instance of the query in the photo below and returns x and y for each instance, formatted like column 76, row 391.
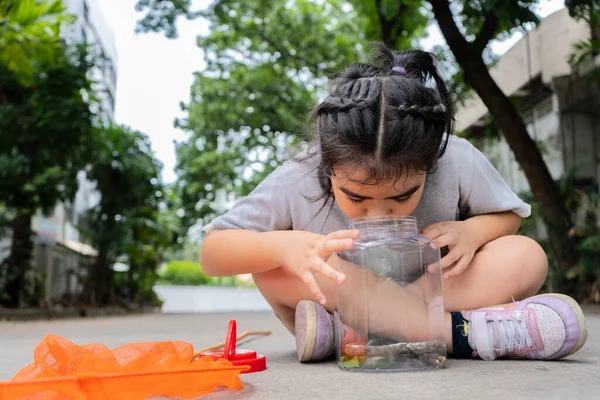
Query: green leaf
column 29, row 35
column 573, row 272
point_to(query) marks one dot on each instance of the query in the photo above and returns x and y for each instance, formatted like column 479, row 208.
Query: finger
column 453, row 256
column 431, row 227
column 431, row 233
column 447, row 239
column 433, row 268
column 308, row 278
column 328, row 271
column 460, row 266
column 333, row 246
column 436, row 232
column 345, row 234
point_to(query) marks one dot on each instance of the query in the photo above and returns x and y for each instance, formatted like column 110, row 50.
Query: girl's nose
column 378, row 210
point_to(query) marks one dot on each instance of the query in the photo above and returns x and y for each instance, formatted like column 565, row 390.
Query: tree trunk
column 102, row 277
column 594, row 34
column 18, row 262
column 132, row 283
column 544, row 189
column 389, row 30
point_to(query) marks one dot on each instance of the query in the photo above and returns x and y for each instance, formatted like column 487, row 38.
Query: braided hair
column 392, row 117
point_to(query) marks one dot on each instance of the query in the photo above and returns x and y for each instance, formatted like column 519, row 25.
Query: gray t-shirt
column 463, row 185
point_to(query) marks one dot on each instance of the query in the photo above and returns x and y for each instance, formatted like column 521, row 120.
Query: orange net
column 63, row 370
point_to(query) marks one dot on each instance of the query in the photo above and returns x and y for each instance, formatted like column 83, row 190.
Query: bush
column 184, row 273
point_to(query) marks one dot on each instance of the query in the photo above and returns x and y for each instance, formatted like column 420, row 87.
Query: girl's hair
column 390, row 118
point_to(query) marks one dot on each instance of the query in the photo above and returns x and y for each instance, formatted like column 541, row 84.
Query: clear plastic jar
column 390, row 313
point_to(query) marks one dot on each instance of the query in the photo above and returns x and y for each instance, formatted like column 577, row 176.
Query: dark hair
column 393, row 117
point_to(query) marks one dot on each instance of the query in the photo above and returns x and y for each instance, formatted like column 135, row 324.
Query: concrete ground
column 577, row 377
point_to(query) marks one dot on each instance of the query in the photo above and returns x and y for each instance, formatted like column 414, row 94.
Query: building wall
column 569, row 142
column 580, row 132
column 564, row 124
column 55, row 233
column 543, row 52
column 60, row 267
column 543, row 125
column 92, row 28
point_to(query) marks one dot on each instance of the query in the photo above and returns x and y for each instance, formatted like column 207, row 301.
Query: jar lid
column 256, row 362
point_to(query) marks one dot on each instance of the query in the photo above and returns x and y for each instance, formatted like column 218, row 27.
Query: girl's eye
column 402, row 199
column 354, row 200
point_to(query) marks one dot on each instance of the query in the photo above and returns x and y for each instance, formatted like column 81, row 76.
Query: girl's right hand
column 304, row 253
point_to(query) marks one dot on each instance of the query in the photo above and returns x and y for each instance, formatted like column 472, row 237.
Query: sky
column 155, row 73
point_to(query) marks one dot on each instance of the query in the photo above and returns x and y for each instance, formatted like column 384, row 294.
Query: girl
column 384, row 147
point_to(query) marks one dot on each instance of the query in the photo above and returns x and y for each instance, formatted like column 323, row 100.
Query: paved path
column 575, row 378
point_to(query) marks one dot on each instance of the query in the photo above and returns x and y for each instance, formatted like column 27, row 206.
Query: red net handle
column 230, row 340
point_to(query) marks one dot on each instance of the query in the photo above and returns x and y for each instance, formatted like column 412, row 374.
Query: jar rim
column 383, row 218
column 383, row 223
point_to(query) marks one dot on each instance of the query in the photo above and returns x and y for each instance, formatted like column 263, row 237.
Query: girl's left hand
column 455, row 235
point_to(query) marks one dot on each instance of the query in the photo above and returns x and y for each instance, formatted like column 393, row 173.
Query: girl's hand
column 462, row 247
column 304, row 253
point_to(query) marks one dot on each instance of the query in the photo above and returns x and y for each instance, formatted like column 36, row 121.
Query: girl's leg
column 511, row 267
column 506, row 268
column 312, row 324
column 283, row 291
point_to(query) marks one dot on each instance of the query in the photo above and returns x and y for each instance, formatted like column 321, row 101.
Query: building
column 91, row 27
column 62, row 253
column 559, row 105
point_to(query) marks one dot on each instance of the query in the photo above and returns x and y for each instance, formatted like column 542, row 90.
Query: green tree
column 127, row 174
column 468, row 27
column 267, row 65
column 150, row 231
column 244, row 38
column 45, row 122
column 161, row 15
column 29, row 34
column 395, row 23
column 588, row 11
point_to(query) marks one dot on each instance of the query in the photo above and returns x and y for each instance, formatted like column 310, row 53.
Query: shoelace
column 506, row 329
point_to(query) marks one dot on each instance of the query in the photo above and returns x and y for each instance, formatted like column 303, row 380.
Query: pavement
column 576, row 377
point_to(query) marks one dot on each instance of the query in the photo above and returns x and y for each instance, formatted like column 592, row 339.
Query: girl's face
column 357, row 199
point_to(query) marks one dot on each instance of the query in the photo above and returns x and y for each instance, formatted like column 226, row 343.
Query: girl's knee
column 528, row 259
column 534, row 257
column 268, row 282
column 278, row 287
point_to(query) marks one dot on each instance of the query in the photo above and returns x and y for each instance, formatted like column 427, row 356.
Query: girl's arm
column 237, row 251
column 485, row 228
column 465, row 238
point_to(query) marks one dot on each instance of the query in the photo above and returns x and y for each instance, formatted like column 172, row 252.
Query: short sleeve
column 484, row 191
column 265, row 209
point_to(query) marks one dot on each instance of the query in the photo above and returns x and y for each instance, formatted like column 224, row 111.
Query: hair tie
column 399, row 69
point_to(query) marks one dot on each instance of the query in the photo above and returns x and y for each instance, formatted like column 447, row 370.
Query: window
column 111, row 72
column 86, row 12
column 111, row 99
column 544, row 107
column 70, row 213
column 527, row 116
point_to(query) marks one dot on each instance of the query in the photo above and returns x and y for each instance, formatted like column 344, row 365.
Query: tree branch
column 445, row 20
column 458, row 44
column 487, row 32
column 386, row 28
